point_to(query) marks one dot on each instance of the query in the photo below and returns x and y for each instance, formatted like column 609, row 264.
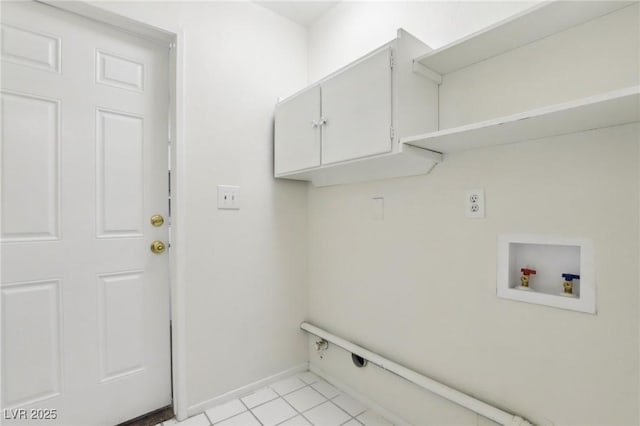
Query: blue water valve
column 568, row 282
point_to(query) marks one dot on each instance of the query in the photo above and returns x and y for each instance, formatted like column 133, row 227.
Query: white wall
column 246, row 269
column 419, row 286
column 354, row 28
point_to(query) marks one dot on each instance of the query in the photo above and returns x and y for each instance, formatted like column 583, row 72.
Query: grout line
column 251, row 412
column 343, row 409
column 314, row 406
column 297, row 412
column 324, row 402
column 308, row 371
column 309, row 421
column 341, row 392
column 340, row 408
column 370, row 404
column 281, row 395
column 301, row 413
column 294, row 409
column 262, row 403
column 227, row 418
column 305, row 417
column 278, row 396
column 311, row 408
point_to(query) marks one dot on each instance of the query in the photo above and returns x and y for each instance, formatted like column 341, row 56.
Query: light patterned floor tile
column 226, row 410
column 350, row 405
column 327, row 414
column 286, row 386
column 274, row 412
column 259, row 397
column 170, row 422
column 296, row 421
column 199, row 420
column 305, row 398
column 326, row 389
column 244, row 419
column 370, row 418
column 321, row 403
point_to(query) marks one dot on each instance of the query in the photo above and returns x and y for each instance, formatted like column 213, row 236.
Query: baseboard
column 392, row 417
column 200, row 407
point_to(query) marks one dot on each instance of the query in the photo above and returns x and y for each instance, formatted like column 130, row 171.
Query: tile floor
column 299, row 400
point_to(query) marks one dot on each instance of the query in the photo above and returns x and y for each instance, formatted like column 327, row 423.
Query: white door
column 297, row 132
column 85, row 303
column 356, row 104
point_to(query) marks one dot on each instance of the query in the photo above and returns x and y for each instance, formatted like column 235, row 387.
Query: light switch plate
column 228, row 197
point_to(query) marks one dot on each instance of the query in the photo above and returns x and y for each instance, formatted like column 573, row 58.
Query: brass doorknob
column 157, row 220
column 157, row 247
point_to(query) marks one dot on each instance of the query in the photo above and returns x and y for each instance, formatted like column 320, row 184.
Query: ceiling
column 300, row 11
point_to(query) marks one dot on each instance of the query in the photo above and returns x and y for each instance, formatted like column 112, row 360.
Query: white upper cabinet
column 346, row 127
column 531, row 76
column 356, row 110
column 297, row 145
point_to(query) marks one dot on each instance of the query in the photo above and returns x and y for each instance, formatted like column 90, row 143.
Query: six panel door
column 85, row 304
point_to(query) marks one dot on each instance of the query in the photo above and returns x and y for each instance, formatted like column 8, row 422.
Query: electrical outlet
column 228, row 197
column 474, row 203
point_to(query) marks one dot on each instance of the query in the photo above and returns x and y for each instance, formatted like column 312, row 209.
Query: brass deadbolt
column 157, row 247
column 157, row 220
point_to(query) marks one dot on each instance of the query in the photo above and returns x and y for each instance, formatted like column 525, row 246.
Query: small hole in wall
column 358, row 361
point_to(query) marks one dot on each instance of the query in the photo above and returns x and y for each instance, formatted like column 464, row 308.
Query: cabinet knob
column 322, row 122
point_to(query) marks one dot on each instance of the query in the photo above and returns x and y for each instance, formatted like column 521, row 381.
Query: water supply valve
column 568, row 282
column 321, row 346
column 524, row 278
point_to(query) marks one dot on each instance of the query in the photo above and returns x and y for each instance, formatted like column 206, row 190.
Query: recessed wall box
column 552, row 257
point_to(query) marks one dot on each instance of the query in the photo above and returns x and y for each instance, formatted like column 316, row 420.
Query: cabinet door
column 297, row 134
column 357, row 107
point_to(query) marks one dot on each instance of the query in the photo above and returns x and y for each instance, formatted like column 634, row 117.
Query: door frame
column 177, row 266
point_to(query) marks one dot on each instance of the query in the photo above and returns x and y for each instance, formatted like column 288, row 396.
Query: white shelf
column 410, row 161
column 605, row 110
column 533, row 24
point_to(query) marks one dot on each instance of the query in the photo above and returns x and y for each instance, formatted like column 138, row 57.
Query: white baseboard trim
column 392, row 417
column 201, row 407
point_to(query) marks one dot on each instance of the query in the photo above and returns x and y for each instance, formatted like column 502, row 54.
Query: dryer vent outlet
column 358, row 361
